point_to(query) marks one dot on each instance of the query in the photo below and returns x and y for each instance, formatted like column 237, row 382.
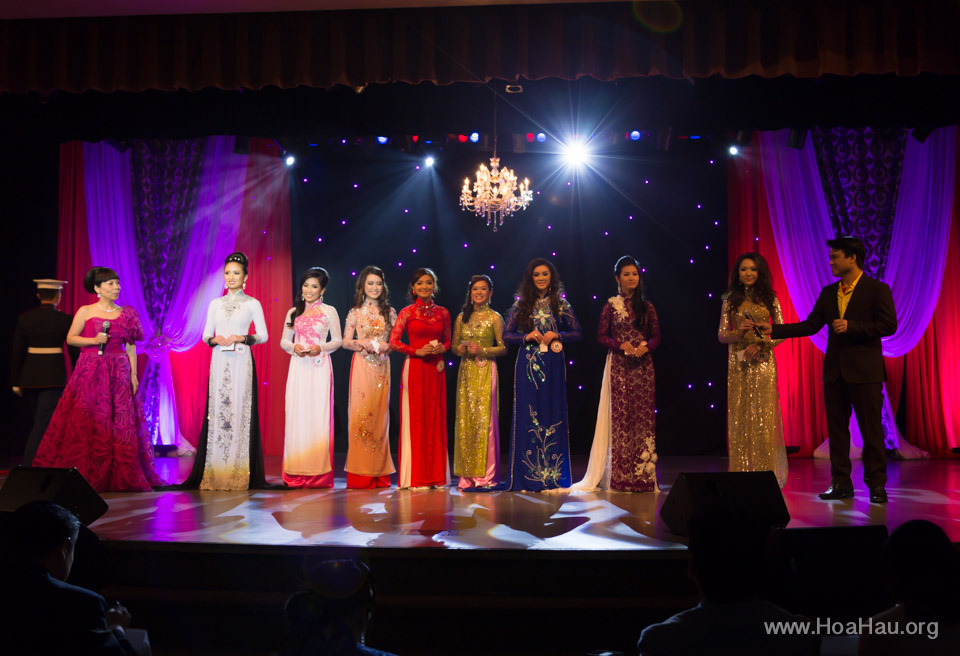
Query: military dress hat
column 49, row 283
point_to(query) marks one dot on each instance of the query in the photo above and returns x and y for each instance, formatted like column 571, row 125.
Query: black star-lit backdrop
column 356, row 202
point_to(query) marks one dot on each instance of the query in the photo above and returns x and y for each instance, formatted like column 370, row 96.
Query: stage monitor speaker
column 754, row 495
column 65, row 487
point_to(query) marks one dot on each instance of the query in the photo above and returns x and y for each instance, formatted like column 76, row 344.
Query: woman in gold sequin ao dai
column 478, row 339
column 754, row 425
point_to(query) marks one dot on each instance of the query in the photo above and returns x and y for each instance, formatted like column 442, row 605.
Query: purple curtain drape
column 918, row 241
column 860, row 172
column 800, row 219
column 210, row 232
column 166, row 177
column 921, row 224
column 921, row 233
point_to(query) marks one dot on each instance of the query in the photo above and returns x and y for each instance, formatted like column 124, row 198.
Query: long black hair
column 528, row 292
column 97, row 276
column 467, row 303
column 417, row 275
column 763, row 287
column 638, row 301
column 383, row 302
column 313, row 272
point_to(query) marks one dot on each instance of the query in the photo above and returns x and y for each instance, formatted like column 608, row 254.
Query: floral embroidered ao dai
column 624, row 455
column 98, row 425
column 754, row 423
column 476, row 449
column 229, row 452
column 539, row 435
column 308, row 434
column 423, row 396
column 369, row 463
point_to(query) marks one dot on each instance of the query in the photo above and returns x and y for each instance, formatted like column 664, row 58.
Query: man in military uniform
column 38, row 370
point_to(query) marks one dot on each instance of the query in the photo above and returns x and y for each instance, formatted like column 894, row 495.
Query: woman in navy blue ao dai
column 540, row 323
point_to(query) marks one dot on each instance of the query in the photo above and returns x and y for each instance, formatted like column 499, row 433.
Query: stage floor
column 447, row 518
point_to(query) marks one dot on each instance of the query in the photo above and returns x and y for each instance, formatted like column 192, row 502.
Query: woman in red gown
column 98, row 426
column 423, row 390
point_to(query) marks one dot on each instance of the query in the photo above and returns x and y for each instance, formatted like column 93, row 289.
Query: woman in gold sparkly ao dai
column 478, row 339
column 754, row 424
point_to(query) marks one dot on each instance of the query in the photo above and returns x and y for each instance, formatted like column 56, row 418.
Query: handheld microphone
column 756, row 329
column 106, row 331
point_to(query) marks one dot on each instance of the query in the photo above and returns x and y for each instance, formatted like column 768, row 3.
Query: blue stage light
column 541, row 137
column 474, row 137
column 382, row 140
column 635, row 135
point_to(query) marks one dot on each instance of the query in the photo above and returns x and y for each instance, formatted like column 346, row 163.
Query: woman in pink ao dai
column 308, row 438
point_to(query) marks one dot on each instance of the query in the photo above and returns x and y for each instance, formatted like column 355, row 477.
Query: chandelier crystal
column 496, row 193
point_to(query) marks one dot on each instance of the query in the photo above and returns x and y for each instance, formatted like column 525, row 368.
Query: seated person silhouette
column 923, row 572
column 331, row 617
column 726, row 561
column 40, row 613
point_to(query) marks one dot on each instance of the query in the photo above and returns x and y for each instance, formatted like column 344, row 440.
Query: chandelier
column 496, row 193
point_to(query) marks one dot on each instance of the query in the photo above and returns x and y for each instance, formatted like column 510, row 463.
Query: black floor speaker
column 65, row 487
column 754, row 495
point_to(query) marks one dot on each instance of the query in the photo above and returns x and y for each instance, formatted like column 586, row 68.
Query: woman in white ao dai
column 229, row 452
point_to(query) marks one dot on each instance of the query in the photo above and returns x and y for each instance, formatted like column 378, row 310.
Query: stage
column 438, row 519
column 472, row 573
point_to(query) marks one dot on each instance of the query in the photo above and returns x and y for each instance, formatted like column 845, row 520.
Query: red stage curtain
column 265, row 237
column 894, row 368
column 932, row 374
column 73, row 239
column 607, row 41
column 73, row 244
column 191, row 376
column 799, row 362
column 928, row 374
column 73, row 261
column 946, row 323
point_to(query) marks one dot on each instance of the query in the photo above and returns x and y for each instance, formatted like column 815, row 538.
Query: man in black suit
column 37, row 368
column 40, row 613
column 859, row 311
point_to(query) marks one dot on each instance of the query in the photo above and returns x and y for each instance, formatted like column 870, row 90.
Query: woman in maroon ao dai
column 623, row 456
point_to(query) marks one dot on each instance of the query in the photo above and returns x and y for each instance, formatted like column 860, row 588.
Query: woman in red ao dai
column 423, row 390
